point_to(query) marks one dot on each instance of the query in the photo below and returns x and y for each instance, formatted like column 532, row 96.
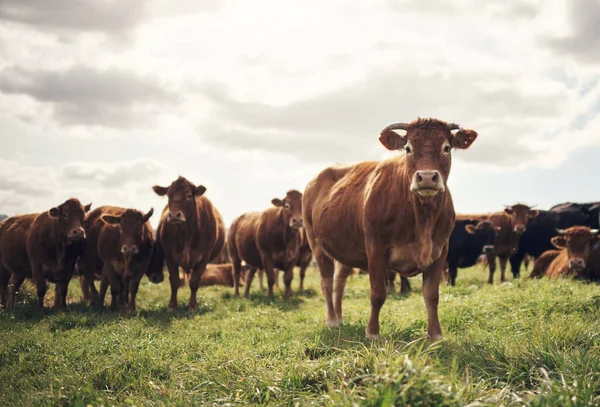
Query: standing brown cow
column 191, row 233
column 121, row 242
column 512, row 223
column 267, row 240
column 396, row 214
column 44, row 247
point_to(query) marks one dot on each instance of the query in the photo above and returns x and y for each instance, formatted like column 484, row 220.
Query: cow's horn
column 561, row 231
column 453, row 126
column 594, row 231
column 395, row 126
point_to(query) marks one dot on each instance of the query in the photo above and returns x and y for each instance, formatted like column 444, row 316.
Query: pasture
column 533, row 343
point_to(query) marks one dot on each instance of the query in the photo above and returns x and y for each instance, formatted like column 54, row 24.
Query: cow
column 43, row 246
column 219, row 274
column 575, row 245
column 470, row 239
column 541, row 229
column 223, row 257
column 590, row 209
column 396, row 214
column 541, row 264
column 513, row 224
column 119, row 247
column 190, row 234
column 304, row 258
column 268, row 240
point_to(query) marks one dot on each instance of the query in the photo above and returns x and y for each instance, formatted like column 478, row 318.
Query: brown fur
column 223, row 257
column 191, row 244
column 219, row 274
column 367, row 216
column 577, row 242
column 267, row 240
column 108, row 229
column 542, row 263
column 41, row 246
column 304, row 258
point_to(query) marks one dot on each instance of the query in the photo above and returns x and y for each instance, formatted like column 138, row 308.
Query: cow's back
column 542, row 263
column 13, row 243
column 559, row 265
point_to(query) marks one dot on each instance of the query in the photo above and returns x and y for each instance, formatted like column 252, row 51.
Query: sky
column 100, row 100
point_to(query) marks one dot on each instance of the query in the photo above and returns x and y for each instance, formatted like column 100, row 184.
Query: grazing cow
column 191, row 234
column 396, row 214
column 268, row 240
column 512, row 223
column 304, row 258
column 575, row 245
column 120, row 242
column 469, row 239
column 541, row 229
column 44, row 247
column 219, row 274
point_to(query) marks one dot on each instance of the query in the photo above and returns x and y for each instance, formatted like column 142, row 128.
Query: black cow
column 540, row 230
column 590, row 209
column 470, row 239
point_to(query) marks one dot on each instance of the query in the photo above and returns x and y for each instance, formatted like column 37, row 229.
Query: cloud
column 28, row 181
column 82, row 95
column 97, row 16
column 583, row 43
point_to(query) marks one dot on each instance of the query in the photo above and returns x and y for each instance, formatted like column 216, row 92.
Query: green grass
column 524, row 342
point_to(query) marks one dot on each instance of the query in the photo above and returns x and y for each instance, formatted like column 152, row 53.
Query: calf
column 575, row 245
column 513, row 224
column 44, row 247
column 268, row 240
column 191, row 234
column 469, row 239
column 396, row 214
column 121, row 243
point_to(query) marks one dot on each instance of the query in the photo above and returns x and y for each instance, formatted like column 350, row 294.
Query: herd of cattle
column 390, row 217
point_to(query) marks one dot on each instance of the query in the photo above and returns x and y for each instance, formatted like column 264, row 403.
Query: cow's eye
column 407, row 149
column 446, row 149
column 189, row 196
column 286, row 206
column 64, row 215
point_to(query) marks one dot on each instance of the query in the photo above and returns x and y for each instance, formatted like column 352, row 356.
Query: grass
column 533, row 343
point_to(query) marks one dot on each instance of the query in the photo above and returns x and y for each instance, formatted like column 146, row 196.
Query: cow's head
column 520, row 214
column 69, row 217
column 182, row 199
column 292, row 208
column 485, row 232
column 428, row 144
column 131, row 227
column 577, row 240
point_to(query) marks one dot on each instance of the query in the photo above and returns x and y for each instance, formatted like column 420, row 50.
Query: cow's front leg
column 377, row 276
column 431, row 294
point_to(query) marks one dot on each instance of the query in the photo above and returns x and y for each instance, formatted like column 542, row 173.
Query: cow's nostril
column 435, row 177
column 419, row 178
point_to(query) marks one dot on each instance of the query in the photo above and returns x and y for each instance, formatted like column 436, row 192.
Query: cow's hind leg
column 327, row 270
column 249, row 277
column 404, row 285
column 492, row 265
column 340, row 277
column 194, row 284
column 302, row 275
column 503, row 261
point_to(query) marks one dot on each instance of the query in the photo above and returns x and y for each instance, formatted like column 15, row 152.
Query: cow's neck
column 426, row 216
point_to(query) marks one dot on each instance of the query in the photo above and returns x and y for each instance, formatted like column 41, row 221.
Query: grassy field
column 524, row 342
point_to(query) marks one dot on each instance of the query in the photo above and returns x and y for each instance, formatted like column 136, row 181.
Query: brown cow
column 395, row 214
column 542, row 263
column 120, row 242
column 191, row 234
column 512, row 223
column 223, row 257
column 219, row 274
column 44, row 247
column 267, row 240
column 575, row 245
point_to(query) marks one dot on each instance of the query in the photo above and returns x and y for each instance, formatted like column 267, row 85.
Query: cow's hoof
column 192, row 309
column 435, row 338
column 371, row 336
column 333, row 323
column 171, row 309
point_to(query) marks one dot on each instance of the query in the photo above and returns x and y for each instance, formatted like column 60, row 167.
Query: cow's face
column 428, row 144
column 182, row 199
column 292, row 208
column 131, row 228
column 577, row 240
column 520, row 215
column 485, row 232
column 70, row 216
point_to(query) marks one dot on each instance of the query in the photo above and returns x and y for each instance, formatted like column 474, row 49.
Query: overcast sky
column 102, row 99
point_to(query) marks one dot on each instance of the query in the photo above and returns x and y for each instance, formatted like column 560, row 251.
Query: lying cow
column 121, row 242
column 396, row 214
column 219, row 274
column 267, row 240
column 44, row 247
column 470, row 239
column 576, row 246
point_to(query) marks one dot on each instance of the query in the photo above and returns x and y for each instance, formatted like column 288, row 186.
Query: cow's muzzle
column 488, row 249
column 176, row 217
column 576, row 264
column 76, row 234
column 427, row 183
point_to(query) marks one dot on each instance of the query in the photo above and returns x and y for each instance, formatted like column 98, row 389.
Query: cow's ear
column 54, row 212
column 148, row 215
column 463, row 138
column 161, row 191
column 88, row 207
column 509, row 210
column 199, row 190
column 533, row 213
column 111, row 219
column 471, row 229
column 277, row 202
column 559, row 242
column 392, row 140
